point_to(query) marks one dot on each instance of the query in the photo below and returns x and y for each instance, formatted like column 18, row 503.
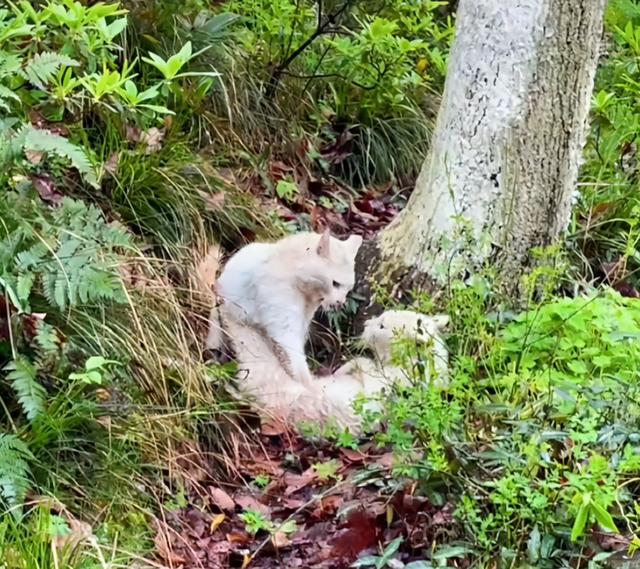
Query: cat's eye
column 336, row 284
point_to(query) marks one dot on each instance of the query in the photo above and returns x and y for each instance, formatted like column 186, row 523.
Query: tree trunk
column 501, row 175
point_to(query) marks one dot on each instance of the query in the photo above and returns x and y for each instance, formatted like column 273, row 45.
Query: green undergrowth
column 606, row 219
column 351, row 92
column 107, row 208
column 535, row 442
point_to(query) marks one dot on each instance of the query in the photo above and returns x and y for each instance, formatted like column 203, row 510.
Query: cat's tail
column 215, row 335
column 218, row 339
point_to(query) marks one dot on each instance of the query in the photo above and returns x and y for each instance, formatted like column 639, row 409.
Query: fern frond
column 60, row 291
column 23, row 378
column 44, row 141
column 32, row 257
column 10, row 63
column 42, row 67
column 47, row 338
column 24, row 286
column 7, row 94
column 14, row 469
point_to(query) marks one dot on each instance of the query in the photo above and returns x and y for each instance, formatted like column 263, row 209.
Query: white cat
column 370, row 376
column 277, row 288
column 379, row 333
column 330, row 399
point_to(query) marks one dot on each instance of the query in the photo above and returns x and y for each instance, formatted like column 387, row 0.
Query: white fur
column 379, row 333
column 278, row 287
column 330, row 398
column 262, row 377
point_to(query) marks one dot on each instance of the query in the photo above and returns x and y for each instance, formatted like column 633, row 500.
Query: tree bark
column 501, row 175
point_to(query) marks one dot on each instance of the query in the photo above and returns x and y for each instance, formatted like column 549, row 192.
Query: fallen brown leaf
column 111, row 165
column 296, row 482
column 152, row 139
column 386, row 460
column 132, row 133
column 280, row 540
column 360, row 534
column 292, row 503
column 33, row 156
column 240, row 537
column 327, row 507
column 247, row 502
column 353, row 455
column 263, row 466
column 46, row 188
column 221, row 499
column 216, row 522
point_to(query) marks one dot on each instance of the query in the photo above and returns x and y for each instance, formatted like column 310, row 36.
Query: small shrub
column 538, row 435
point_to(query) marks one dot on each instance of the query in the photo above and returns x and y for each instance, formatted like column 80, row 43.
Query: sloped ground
column 304, row 506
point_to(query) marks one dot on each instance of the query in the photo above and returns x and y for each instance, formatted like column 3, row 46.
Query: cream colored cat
column 277, row 287
column 330, row 399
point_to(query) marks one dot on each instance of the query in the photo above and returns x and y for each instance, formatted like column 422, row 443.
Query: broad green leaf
column 603, row 518
column 94, row 362
column 449, row 551
column 367, row 561
column 580, row 522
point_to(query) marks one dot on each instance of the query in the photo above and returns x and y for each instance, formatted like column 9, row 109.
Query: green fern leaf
column 47, row 338
column 23, row 378
column 32, row 257
column 44, row 141
column 5, row 95
column 43, row 67
column 10, row 64
column 24, row 286
column 14, row 470
column 60, row 292
column 48, row 287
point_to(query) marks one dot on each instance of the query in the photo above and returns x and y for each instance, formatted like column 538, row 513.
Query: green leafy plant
column 256, row 522
column 15, row 472
column 94, row 370
column 286, row 190
column 383, row 560
column 327, row 470
column 262, row 480
column 23, row 379
column 70, row 252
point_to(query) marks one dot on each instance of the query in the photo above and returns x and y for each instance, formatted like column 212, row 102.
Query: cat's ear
column 324, row 245
column 353, row 244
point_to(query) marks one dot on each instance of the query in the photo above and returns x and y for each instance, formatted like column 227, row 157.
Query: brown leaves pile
column 336, row 520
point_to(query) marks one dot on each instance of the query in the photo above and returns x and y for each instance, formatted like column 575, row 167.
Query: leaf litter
column 300, row 519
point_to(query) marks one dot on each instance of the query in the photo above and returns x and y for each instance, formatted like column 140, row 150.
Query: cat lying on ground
column 330, row 399
column 380, row 332
column 276, row 288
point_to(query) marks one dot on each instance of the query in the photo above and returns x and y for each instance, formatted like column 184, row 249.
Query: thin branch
column 330, row 75
column 325, row 25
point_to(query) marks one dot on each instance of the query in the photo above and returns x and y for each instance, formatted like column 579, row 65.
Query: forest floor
column 303, row 502
column 303, row 505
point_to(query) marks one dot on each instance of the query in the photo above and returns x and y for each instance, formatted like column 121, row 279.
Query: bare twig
column 325, row 25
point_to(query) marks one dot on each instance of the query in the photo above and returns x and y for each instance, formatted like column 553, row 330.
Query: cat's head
column 379, row 332
column 328, row 273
